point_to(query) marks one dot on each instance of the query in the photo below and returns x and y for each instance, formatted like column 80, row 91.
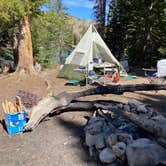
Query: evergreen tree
column 100, row 15
column 116, row 27
column 16, row 16
column 139, row 26
column 146, row 30
column 56, row 37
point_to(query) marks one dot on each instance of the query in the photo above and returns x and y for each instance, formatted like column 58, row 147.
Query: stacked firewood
column 116, row 141
column 12, row 107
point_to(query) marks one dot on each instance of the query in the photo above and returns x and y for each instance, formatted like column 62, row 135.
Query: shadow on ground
column 77, row 131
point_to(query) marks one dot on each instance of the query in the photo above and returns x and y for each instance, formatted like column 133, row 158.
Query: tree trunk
column 48, row 104
column 100, row 14
column 15, row 49
column 150, row 121
column 25, row 63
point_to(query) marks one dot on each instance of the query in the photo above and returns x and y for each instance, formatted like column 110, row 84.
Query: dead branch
column 62, row 100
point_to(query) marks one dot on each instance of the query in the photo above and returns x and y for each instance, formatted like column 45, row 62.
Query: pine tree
column 145, row 30
column 116, row 27
column 139, row 26
column 100, row 15
column 16, row 14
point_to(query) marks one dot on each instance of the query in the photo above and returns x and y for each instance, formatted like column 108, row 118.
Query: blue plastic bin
column 15, row 122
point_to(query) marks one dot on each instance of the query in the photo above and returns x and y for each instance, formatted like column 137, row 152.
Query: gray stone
column 138, row 106
column 107, row 156
column 90, row 140
column 95, row 140
column 95, row 125
column 99, row 144
column 111, row 140
column 125, row 137
column 144, row 152
column 126, row 107
column 119, row 149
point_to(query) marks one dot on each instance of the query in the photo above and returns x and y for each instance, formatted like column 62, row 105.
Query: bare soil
column 58, row 141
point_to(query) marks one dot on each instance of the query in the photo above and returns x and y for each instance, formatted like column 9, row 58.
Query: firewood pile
column 116, row 139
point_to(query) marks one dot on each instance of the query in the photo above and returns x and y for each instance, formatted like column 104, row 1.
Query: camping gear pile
column 156, row 75
column 117, row 141
column 90, row 48
column 15, row 115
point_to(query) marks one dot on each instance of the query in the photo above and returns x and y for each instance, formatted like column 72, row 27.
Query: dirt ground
column 58, row 141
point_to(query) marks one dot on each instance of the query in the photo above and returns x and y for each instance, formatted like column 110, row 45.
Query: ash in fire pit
column 115, row 140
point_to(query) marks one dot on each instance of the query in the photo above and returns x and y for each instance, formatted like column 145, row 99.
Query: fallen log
column 151, row 121
column 48, row 104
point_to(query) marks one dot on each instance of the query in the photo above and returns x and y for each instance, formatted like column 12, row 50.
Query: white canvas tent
column 92, row 46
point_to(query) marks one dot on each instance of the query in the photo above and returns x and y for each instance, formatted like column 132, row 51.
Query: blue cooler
column 15, row 122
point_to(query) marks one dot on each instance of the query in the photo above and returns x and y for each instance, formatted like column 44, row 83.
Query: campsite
column 86, row 91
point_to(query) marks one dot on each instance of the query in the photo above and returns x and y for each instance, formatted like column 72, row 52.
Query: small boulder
column 138, row 106
column 119, row 149
column 125, row 137
column 107, row 156
column 126, row 107
column 99, row 143
column 90, row 140
column 94, row 126
column 111, row 140
column 144, row 152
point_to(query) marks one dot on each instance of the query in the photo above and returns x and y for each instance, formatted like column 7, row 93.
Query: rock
column 107, row 156
column 125, row 137
column 37, row 67
column 93, row 120
column 144, row 152
column 95, row 140
column 142, row 109
column 126, row 107
column 111, row 140
column 90, row 140
column 95, row 125
column 99, row 144
column 138, row 106
column 119, row 149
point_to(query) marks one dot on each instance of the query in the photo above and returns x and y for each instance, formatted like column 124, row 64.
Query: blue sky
column 80, row 8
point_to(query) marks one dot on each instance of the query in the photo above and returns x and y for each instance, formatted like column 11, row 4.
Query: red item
column 116, row 78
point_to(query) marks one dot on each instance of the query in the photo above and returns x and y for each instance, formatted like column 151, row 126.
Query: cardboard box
column 15, row 122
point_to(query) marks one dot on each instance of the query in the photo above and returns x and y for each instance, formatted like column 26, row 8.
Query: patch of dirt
column 57, row 142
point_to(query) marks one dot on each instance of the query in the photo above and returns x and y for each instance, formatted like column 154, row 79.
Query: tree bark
column 15, row 48
column 25, row 63
column 100, row 15
column 48, row 104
